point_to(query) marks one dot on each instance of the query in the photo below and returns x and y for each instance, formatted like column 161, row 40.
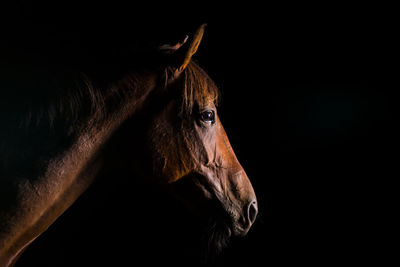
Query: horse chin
column 217, row 238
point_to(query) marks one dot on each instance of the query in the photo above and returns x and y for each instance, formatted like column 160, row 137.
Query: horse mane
column 52, row 101
column 43, row 115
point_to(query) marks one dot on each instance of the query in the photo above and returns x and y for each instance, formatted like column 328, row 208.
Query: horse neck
column 38, row 202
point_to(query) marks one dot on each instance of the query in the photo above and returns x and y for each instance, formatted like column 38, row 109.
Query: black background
column 308, row 101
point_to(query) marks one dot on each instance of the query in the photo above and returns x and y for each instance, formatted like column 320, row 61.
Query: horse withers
column 182, row 146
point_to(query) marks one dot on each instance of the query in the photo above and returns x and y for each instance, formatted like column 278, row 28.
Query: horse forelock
column 198, row 89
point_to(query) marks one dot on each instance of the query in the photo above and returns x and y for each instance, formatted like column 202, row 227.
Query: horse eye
column 208, row 116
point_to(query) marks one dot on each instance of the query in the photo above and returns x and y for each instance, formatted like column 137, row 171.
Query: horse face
column 191, row 153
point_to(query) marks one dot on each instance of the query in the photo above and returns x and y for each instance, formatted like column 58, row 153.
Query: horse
column 55, row 143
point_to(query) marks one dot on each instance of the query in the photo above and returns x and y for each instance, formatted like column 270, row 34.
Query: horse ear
column 183, row 51
column 192, row 47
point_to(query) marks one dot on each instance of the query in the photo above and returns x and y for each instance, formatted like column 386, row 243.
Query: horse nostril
column 252, row 211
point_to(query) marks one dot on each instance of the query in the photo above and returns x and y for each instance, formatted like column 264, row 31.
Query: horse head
column 189, row 148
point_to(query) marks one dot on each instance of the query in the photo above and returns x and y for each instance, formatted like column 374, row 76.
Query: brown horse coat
column 184, row 144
